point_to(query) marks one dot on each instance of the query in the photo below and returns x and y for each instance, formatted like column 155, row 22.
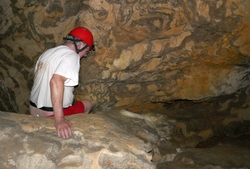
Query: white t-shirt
column 59, row 60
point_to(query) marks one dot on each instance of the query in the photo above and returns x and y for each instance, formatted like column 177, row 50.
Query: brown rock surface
column 147, row 51
column 121, row 139
column 29, row 142
column 183, row 66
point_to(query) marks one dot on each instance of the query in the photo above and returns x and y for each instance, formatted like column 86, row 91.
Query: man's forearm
column 57, row 91
column 63, row 126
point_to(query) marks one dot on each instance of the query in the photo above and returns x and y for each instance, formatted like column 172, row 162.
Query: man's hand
column 63, row 128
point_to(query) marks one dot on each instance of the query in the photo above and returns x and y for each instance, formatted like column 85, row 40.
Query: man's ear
column 80, row 45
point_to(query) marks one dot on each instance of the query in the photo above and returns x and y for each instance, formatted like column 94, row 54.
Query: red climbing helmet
column 83, row 34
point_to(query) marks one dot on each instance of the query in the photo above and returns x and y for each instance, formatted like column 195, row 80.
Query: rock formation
column 121, row 139
column 147, row 51
column 182, row 66
column 28, row 142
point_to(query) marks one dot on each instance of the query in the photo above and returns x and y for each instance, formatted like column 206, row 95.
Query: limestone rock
column 147, row 51
column 123, row 139
column 29, row 142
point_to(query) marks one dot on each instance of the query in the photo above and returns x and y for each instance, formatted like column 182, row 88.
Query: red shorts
column 76, row 108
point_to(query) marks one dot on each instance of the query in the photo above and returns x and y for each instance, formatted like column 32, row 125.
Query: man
column 56, row 75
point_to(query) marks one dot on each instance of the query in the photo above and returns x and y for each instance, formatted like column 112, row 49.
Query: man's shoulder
column 62, row 51
column 62, row 48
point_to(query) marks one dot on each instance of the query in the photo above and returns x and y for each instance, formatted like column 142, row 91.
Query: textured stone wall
column 147, row 51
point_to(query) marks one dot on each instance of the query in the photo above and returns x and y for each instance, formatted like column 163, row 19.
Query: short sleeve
column 69, row 67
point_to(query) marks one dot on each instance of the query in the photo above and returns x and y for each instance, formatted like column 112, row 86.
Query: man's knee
column 87, row 106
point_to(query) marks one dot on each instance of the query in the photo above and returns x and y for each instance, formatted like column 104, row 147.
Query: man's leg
column 87, row 106
column 78, row 107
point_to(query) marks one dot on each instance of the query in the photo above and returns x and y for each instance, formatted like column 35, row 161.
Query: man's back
column 59, row 60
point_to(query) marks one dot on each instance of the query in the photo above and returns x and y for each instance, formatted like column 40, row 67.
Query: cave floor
column 218, row 152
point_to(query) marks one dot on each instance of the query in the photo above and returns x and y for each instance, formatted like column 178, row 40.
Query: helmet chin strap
column 74, row 42
column 79, row 50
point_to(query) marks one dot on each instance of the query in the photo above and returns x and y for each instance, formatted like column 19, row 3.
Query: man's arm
column 62, row 125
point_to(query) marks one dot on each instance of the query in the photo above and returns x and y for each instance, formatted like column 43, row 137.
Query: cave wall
column 146, row 51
